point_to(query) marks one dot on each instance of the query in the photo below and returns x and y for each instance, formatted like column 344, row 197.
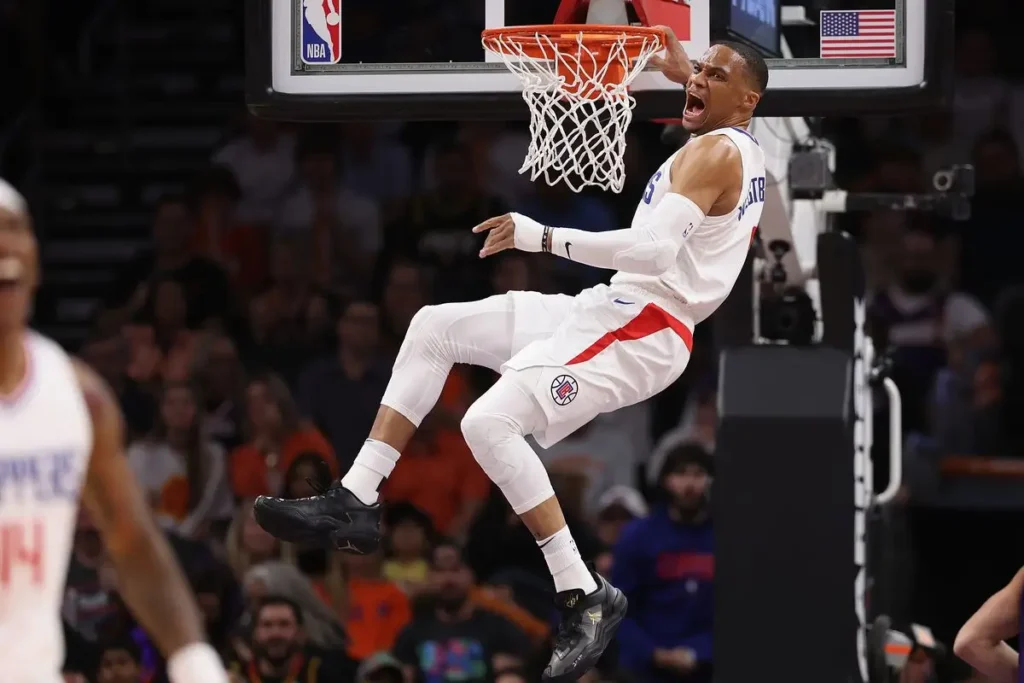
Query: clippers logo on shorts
column 564, row 390
column 321, row 31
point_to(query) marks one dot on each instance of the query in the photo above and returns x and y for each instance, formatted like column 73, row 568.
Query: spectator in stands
column 340, row 393
column 618, row 507
column 263, row 161
column 664, row 565
column 291, row 319
column 438, row 475
column 239, row 248
column 407, row 289
column 435, row 228
column 109, row 355
column 89, row 593
column 205, row 283
column 277, row 435
column 380, row 668
column 968, row 407
column 409, row 534
column 218, row 596
column 698, row 425
column 344, row 226
column 307, row 475
column 378, row 609
column 454, row 640
column 280, row 651
column 247, row 544
column 991, row 254
column 120, row 662
column 222, row 378
column 322, row 628
column 183, row 473
column 376, row 166
column 917, row 318
column 162, row 348
column 497, row 149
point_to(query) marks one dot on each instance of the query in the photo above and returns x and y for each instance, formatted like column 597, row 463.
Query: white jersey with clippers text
column 45, row 443
column 712, row 253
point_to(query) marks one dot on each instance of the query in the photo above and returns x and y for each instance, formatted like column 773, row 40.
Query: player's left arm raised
column 707, row 170
column 150, row 580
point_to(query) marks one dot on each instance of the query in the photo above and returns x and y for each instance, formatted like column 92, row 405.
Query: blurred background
column 244, row 286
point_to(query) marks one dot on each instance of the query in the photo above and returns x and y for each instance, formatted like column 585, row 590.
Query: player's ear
column 751, row 98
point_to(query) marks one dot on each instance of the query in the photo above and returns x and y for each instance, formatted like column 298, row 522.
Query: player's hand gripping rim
column 676, row 64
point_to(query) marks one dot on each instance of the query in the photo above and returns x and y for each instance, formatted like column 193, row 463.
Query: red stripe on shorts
column 652, row 318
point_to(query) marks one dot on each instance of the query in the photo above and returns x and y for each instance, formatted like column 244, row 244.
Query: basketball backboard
column 422, row 59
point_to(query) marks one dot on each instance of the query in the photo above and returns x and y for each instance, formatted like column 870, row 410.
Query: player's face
column 718, row 93
column 19, row 269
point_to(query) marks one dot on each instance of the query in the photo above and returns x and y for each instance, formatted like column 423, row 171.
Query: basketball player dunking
column 61, row 438
column 982, row 640
column 566, row 359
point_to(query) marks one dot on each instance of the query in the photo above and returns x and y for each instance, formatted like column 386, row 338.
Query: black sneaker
column 589, row 623
column 335, row 520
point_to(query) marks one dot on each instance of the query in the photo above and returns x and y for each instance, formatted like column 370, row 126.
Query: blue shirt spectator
column 665, row 566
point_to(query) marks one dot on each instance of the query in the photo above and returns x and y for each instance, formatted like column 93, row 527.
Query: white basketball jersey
column 45, row 443
column 713, row 253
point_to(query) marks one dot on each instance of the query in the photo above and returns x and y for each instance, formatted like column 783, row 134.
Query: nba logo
column 321, row 31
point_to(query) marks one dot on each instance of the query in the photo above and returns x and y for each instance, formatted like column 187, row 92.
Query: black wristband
column 545, row 244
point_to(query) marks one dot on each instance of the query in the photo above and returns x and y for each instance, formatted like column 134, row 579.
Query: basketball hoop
column 575, row 81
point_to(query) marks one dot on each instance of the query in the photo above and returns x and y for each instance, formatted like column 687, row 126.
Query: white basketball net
column 578, row 122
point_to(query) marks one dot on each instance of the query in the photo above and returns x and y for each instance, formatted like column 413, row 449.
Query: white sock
column 373, row 465
column 566, row 565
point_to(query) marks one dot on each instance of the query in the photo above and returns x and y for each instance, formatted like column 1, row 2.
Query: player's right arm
column 706, row 174
column 980, row 642
column 150, row 580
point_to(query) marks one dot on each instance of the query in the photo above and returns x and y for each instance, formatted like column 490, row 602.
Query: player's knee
column 484, row 428
column 426, row 323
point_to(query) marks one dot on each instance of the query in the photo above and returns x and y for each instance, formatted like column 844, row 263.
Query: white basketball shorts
column 607, row 348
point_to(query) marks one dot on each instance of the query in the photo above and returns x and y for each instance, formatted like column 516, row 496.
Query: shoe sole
column 609, row 627
column 337, row 539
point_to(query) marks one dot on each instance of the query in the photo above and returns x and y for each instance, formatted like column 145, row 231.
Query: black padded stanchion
column 784, row 510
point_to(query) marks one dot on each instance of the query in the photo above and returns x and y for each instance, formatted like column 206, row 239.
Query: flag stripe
column 857, row 33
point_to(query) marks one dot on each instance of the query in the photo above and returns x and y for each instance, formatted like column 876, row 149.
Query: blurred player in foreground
column 61, row 437
column 981, row 641
column 563, row 359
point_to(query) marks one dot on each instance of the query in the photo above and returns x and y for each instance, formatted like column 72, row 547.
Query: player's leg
column 495, row 427
column 485, row 332
column 476, row 333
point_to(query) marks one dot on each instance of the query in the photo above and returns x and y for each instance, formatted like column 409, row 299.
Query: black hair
column 757, row 68
column 683, row 456
column 275, row 600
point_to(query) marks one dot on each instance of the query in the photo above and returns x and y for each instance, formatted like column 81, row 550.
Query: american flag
column 858, row 33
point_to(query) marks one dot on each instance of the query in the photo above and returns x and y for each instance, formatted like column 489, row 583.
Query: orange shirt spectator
column 437, row 474
column 377, row 611
column 257, row 473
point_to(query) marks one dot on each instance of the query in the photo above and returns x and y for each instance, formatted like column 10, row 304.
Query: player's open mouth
column 11, row 272
column 694, row 106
